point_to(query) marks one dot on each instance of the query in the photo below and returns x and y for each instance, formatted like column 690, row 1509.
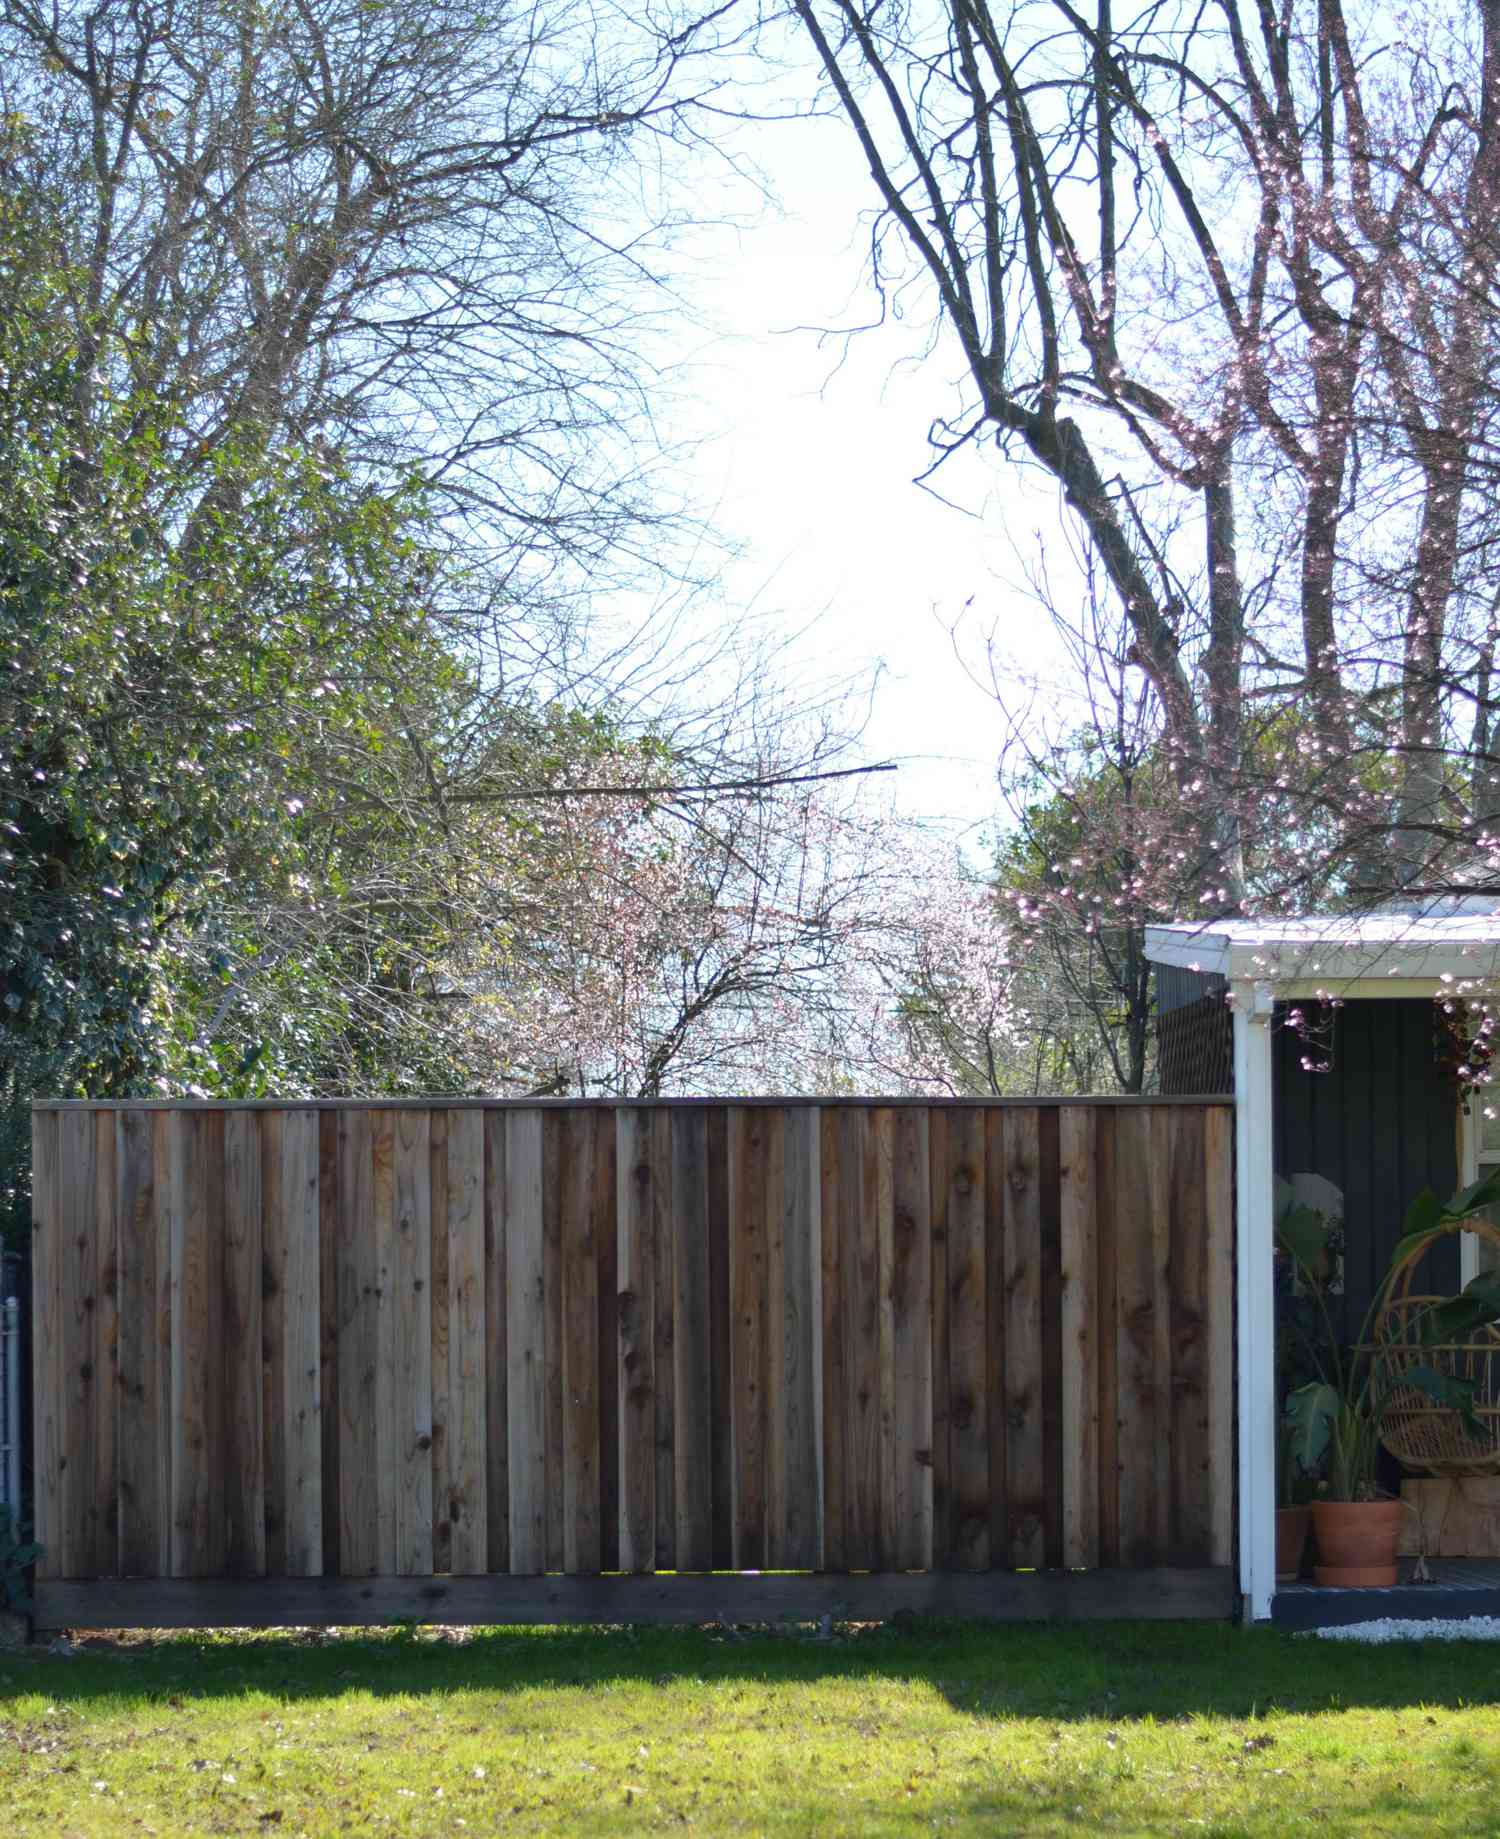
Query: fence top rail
column 442, row 1101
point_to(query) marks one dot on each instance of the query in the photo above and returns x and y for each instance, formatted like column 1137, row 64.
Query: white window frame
column 1473, row 1160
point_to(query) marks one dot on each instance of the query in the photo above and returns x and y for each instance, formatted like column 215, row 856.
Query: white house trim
column 1254, row 1297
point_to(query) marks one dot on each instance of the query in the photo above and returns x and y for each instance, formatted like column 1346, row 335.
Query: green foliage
column 1339, row 1414
column 18, row 1553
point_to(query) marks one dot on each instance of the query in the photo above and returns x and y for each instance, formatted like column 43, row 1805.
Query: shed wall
column 1381, row 1124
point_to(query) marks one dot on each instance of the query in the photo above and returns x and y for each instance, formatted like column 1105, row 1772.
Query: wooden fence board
column 792, row 1463
column 968, row 1326
column 243, row 1450
column 721, row 1377
column 554, row 1123
column 835, row 1417
column 1080, row 1339
column 330, row 1303
column 580, row 1343
column 300, row 1305
column 636, row 1272
column 1218, row 1226
column 48, row 1217
column 607, row 1252
column 995, row 1312
column 496, row 1356
column 465, row 1500
column 77, row 1425
column 358, row 1348
column 279, row 1312
column 1025, row 1440
column 378, row 1341
column 663, row 1364
column 445, row 1437
column 139, row 1412
column 691, row 1342
column 860, row 1224
column 196, row 1178
column 750, row 1149
column 390, row 1440
column 1106, row 1227
column 1136, row 1336
column 526, row 1343
column 1188, row 1535
column 412, row 1324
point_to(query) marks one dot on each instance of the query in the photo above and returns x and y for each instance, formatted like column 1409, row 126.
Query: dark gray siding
column 1381, row 1124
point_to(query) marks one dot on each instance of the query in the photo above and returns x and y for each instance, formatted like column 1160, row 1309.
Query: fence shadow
column 1119, row 1672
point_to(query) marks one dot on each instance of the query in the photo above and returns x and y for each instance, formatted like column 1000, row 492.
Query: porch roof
column 1383, row 951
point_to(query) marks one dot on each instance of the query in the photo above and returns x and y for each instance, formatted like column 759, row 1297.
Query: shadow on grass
column 1060, row 1672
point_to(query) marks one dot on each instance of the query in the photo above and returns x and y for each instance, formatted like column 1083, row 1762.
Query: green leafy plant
column 18, row 1553
column 1337, row 1416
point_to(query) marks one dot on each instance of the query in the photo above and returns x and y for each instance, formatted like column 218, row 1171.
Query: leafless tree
column 1227, row 274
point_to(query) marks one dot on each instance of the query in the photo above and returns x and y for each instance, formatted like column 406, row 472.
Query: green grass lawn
column 949, row 1729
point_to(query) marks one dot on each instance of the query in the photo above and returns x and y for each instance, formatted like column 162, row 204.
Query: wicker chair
column 1415, row 1428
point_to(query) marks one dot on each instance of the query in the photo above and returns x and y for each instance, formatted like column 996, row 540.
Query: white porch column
column 1255, row 1303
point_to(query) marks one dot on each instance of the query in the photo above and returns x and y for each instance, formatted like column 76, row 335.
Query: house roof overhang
column 1367, row 955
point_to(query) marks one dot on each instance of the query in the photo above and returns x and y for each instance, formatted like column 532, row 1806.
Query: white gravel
column 1436, row 1628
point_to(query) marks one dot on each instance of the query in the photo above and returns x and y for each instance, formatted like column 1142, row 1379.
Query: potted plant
column 1296, row 1463
column 1337, row 1416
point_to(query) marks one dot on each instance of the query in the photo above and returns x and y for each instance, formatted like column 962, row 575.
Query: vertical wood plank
column 390, row 1438
column 1025, row 1430
column 1106, row 1227
column 580, row 1341
column 721, row 1379
column 859, row 1208
column 358, row 1347
column 968, row 1391
column 691, row 1309
column 882, row 1123
column 496, row 1335
column 1080, row 1337
column 835, row 1414
column 243, row 1350
column 411, row 1321
column 748, row 1146
column 911, row 1336
column 163, row 1135
column 105, row 1557
column 636, row 1276
column 663, row 1360
column 1188, row 1539
column 794, row 1511
column 1135, row 1336
column 301, row 1306
column 526, row 1347
column 444, row 1436
column 198, row 1443
column 1160, row 1118
column 995, row 1348
column 1051, row 1257
column 607, row 1251
column 330, row 1304
column 78, row 1182
column 139, row 1413
column 942, row 1404
column 276, row 1304
column 1218, row 1148
column 465, row 1507
column 48, row 1410
column 553, row 1126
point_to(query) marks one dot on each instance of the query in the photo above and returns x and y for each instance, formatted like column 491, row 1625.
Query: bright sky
column 809, row 468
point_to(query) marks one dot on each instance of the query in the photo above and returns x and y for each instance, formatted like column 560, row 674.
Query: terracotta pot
column 1291, row 1541
column 1356, row 1541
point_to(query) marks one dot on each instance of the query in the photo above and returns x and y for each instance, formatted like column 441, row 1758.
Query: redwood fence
column 466, row 1360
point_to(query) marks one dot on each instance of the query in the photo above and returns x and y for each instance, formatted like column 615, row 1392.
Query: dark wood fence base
column 1158, row 1594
